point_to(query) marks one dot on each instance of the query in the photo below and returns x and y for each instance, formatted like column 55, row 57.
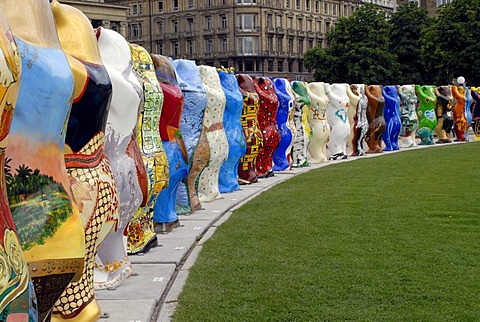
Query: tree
column 22, row 177
column 450, row 46
column 358, row 50
column 405, row 42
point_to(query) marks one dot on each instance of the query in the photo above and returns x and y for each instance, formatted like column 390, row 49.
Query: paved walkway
column 151, row 294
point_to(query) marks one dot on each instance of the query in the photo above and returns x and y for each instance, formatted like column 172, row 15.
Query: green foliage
column 450, row 46
column 391, row 238
column 25, row 182
column 358, row 50
column 408, row 47
column 40, row 215
column 405, row 42
column 38, row 203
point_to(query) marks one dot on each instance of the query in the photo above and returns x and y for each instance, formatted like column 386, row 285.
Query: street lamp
column 150, row 24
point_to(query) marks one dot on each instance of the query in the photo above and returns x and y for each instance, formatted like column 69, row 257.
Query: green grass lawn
column 391, row 238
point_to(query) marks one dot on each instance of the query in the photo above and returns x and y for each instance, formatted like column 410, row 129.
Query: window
column 334, row 10
column 190, row 47
column 319, row 25
column 190, row 4
column 247, row 22
column 280, row 44
column 247, row 2
column 442, row 2
column 240, row 66
column 160, row 5
column 270, row 65
column 300, row 46
column 310, row 43
column 287, row 4
column 279, row 21
column 136, row 30
column 175, row 50
column 224, row 45
column 175, row 5
column 307, row 5
column 248, row 66
column 270, row 44
column 160, row 28
column 280, row 65
column 209, row 45
column 298, row 5
column 289, row 22
column 300, row 24
column 290, row 45
column 209, row 3
column 327, row 26
column 317, row 6
column 290, row 66
column 159, row 48
column 325, row 8
column 175, row 25
column 136, row 9
column 309, row 25
column 223, row 21
column 190, row 25
column 247, row 45
column 208, row 22
column 269, row 20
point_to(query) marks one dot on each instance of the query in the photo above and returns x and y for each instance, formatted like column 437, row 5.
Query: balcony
column 319, row 34
column 208, row 31
column 268, row 3
column 173, row 35
column 291, row 31
column 249, row 29
column 222, row 31
column 189, row 34
column 301, row 33
column 311, row 33
column 280, row 31
column 249, row 53
column 271, row 30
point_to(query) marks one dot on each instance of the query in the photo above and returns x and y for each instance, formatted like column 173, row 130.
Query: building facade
column 430, row 5
column 388, row 5
column 258, row 37
column 111, row 16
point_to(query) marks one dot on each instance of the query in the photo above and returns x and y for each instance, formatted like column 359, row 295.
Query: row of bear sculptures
column 104, row 144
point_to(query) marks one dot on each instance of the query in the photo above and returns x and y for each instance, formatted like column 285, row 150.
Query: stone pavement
column 159, row 275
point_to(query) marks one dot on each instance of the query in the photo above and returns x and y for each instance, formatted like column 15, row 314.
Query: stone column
column 106, row 24
column 123, row 28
